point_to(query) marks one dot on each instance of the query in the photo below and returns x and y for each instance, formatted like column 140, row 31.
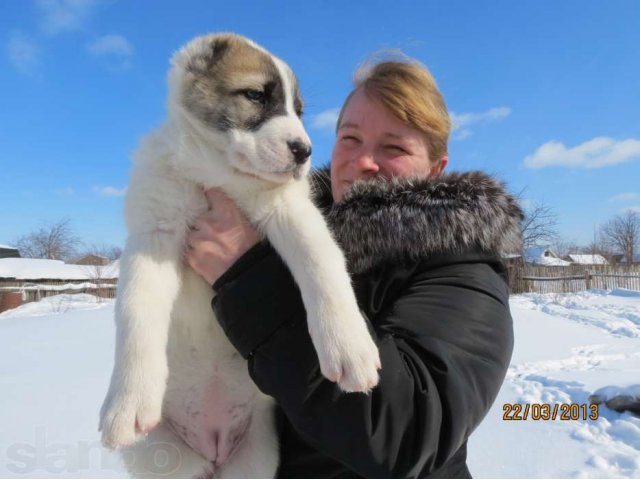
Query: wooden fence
column 34, row 290
column 573, row 278
column 522, row 279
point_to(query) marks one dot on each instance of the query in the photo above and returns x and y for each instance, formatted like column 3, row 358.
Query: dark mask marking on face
column 234, row 86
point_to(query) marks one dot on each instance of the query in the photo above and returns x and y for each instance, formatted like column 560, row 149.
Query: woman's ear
column 439, row 167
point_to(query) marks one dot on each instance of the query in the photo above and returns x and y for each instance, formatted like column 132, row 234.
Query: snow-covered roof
column 587, row 259
column 37, row 268
column 7, row 247
column 543, row 256
column 552, row 262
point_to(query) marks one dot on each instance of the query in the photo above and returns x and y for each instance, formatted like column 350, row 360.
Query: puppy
column 233, row 122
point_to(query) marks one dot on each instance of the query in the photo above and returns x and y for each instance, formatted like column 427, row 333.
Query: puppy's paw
column 128, row 414
column 347, row 354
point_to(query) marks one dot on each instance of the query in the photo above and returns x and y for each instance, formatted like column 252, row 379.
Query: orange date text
column 547, row 411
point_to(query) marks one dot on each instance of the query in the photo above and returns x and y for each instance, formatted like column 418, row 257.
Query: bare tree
column 598, row 247
column 539, row 226
column 110, row 252
column 101, row 276
column 622, row 232
column 563, row 247
column 56, row 241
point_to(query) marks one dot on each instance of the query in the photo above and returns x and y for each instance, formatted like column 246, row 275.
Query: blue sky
column 545, row 94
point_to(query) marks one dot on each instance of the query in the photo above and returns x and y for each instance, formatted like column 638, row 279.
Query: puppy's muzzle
column 301, row 151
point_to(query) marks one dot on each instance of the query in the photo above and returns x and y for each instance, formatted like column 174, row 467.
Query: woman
column 424, row 253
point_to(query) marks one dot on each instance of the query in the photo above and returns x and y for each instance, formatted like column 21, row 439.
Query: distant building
column 616, row 258
column 635, row 260
column 584, row 259
column 544, row 256
column 98, row 260
column 25, row 280
column 9, row 252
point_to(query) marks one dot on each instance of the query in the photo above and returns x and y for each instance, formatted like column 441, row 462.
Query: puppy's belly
column 210, row 396
column 210, row 421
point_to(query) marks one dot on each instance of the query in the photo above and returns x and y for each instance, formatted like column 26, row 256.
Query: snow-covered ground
column 56, row 357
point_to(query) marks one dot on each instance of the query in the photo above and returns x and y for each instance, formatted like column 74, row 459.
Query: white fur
column 172, row 360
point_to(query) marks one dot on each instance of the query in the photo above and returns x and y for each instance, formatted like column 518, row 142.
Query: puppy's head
column 246, row 102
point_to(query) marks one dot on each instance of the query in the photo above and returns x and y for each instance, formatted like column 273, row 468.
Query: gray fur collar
column 405, row 219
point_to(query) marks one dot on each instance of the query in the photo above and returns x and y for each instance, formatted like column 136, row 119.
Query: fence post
column 587, row 279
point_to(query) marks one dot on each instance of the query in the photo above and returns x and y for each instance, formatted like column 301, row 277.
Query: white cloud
column 115, row 47
column 326, row 120
column 625, row 197
column 461, row 121
column 460, row 134
column 110, row 191
column 64, row 15
column 596, row 153
column 23, row 53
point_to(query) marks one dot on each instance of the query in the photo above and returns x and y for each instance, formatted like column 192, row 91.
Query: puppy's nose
column 301, row 151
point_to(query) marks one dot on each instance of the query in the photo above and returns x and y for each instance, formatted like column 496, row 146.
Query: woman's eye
column 349, row 138
column 255, row 96
column 395, row 148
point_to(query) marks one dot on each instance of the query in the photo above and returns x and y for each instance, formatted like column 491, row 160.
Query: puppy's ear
column 202, row 64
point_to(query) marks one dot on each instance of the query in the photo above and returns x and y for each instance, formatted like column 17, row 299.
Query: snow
column 56, row 357
column 567, row 347
column 588, row 259
column 7, row 247
column 551, row 262
column 64, row 286
column 37, row 268
column 544, row 256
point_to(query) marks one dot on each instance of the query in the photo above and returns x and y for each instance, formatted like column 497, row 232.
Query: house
column 584, row 259
column 544, row 256
column 636, row 259
column 9, row 252
column 616, row 258
column 31, row 279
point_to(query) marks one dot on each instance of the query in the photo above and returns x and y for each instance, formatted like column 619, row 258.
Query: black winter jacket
column 424, row 260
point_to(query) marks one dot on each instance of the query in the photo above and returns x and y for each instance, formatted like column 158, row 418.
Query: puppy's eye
column 255, row 96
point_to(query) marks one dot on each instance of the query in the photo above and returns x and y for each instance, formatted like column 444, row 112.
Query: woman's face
column 371, row 141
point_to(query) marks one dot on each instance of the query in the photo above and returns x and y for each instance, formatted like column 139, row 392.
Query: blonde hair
column 408, row 90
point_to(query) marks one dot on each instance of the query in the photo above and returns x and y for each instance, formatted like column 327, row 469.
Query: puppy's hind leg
column 148, row 285
column 257, row 454
column 163, row 454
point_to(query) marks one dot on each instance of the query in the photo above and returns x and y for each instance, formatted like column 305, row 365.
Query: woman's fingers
column 218, row 237
column 217, row 198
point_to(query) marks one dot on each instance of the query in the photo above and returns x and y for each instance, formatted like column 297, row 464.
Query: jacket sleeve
column 445, row 345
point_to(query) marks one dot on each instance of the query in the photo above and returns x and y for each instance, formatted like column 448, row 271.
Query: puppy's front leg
column 148, row 285
column 346, row 352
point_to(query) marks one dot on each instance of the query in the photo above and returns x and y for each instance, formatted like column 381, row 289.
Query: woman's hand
column 219, row 237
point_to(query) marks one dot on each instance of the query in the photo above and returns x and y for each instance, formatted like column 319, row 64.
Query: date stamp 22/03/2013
column 547, row 411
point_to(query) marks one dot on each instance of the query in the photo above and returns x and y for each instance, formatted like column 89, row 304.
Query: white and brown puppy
column 233, row 122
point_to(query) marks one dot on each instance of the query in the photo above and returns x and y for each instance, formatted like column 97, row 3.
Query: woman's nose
column 365, row 161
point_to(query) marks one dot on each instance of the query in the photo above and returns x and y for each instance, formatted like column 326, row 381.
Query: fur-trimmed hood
column 405, row 219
